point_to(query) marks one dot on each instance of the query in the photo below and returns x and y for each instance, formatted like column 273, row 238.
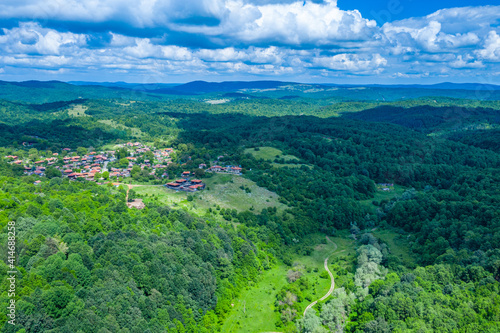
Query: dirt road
column 332, row 287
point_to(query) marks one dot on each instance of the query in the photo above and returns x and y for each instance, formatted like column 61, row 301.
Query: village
column 117, row 165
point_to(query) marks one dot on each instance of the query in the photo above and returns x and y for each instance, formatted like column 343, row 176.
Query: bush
column 324, row 275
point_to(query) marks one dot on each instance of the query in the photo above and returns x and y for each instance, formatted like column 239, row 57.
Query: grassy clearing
column 380, row 195
column 222, row 189
column 259, row 304
column 110, row 146
column 398, row 245
column 269, row 153
column 175, row 199
column 78, row 111
column 344, row 247
column 225, row 190
column 259, row 299
column 133, row 130
column 278, row 165
column 164, row 195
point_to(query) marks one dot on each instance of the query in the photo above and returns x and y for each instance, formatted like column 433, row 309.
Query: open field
column 398, row 245
column 225, row 190
column 133, row 130
column 259, row 304
column 78, row 111
column 269, row 153
column 164, row 195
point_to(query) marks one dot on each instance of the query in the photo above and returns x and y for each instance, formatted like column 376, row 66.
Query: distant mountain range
column 201, row 87
column 190, row 88
column 53, row 91
column 443, row 85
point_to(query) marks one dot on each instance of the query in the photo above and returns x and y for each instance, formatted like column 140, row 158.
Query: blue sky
column 387, row 10
column 344, row 41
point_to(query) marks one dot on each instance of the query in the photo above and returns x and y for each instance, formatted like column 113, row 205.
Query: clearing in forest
column 236, row 192
column 253, row 310
column 134, row 131
column 398, row 245
column 78, row 110
column 269, row 153
column 225, row 190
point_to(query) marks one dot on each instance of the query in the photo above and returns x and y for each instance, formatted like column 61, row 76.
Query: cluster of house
column 186, row 183
column 227, row 169
column 36, row 168
column 85, row 167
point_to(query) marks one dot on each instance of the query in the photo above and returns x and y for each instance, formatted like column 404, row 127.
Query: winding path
column 331, row 277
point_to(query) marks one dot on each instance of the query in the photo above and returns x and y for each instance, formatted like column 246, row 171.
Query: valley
column 250, row 207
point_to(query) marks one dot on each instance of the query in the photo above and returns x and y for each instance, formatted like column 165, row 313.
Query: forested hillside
column 399, row 200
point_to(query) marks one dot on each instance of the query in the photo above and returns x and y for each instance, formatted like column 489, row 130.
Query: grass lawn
column 163, row 194
column 269, row 153
column 259, row 299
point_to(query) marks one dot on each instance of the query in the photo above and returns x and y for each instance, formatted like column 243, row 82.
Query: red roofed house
column 235, row 170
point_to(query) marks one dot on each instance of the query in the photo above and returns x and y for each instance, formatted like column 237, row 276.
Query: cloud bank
column 166, row 40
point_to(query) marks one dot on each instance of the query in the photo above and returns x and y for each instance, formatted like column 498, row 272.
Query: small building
column 136, row 203
column 236, row 170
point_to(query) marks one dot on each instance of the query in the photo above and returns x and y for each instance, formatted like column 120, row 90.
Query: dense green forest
column 88, row 263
